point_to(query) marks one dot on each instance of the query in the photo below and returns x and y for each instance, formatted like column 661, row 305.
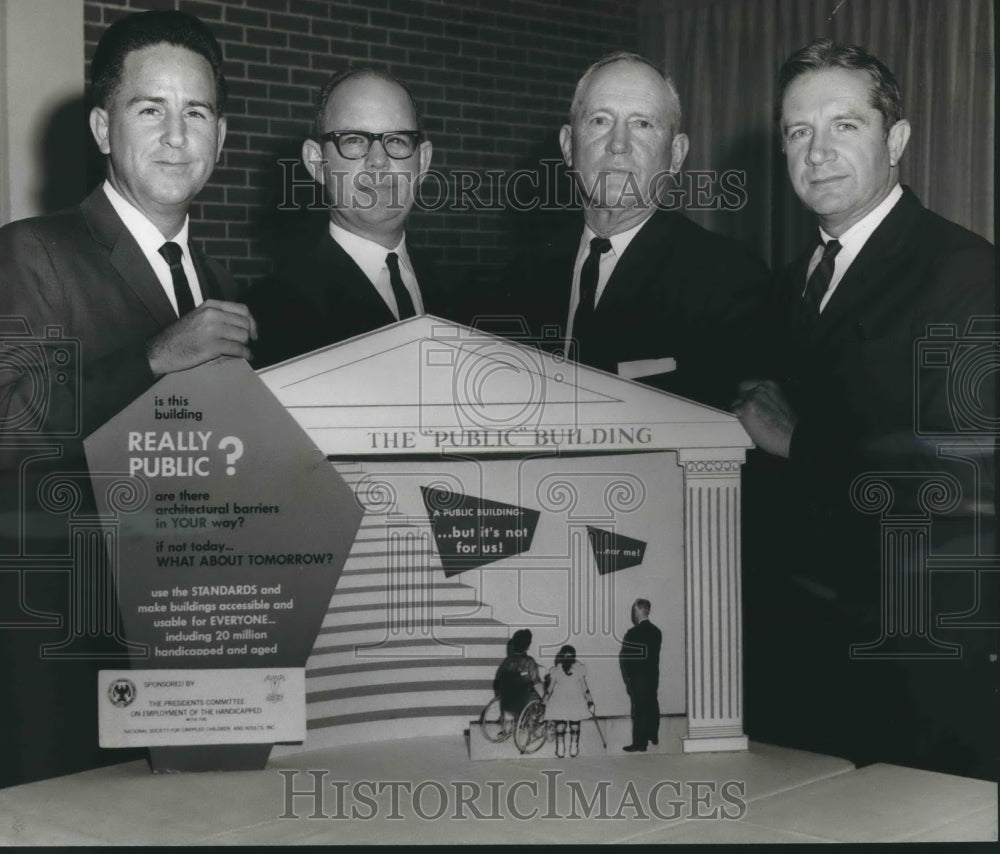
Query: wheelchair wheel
column 492, row 723
column 532, row 728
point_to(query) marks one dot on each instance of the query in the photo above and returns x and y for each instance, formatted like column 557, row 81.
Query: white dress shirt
column 619, row 243
column 370, row 257
column 150, row 240
column 852, row 241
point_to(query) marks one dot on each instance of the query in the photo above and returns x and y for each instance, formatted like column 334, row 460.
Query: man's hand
column 766, row 415
column 215, row 328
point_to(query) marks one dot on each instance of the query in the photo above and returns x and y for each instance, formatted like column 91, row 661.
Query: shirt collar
column 856, row 236
column 367, row 254
column 146, row 234
column 619, row 242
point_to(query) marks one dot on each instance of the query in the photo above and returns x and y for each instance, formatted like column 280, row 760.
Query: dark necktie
column 403, row 302
column 820, row 279
column 588, row 285
column 172, row 254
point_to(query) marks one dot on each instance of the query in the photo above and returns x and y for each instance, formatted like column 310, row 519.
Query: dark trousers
column 812, row 589
column 645, row 713
column 48, row 702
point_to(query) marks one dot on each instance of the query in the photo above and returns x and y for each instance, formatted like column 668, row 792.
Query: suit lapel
column 552, row 287
column 562, row 278
column 126, row 256
column 341, row 281
column 790, row 301
column 210, row 286
column 648, row 249
column 429, row 284
column 880, row 254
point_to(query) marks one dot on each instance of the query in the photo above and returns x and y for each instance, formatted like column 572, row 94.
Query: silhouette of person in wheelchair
column 517, row 675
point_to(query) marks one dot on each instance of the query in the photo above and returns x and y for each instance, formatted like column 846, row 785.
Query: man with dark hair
column 843, row 136
column 107, row 68
column 823, row 54
column 641, row 291
column 117, row 273
column 118, row 279
column 850, row 399
column 639, row 660
column 369, row 153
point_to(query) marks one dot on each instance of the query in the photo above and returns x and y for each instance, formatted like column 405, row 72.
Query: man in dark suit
column 369, row 154
column 639, row 660
column 643, row 292
column 851, row 398
column 98, row 302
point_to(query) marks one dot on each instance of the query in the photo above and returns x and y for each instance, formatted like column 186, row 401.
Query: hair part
column 147, row 29
column 821, row 54
column 635, row 59
column 319, row 114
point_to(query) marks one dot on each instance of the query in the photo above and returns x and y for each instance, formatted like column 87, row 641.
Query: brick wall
column 493, row 81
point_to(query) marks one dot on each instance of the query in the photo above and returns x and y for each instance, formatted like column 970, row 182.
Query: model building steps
column 401, row 648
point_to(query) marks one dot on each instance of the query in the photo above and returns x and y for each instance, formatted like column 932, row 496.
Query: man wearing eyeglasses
column 369, row 154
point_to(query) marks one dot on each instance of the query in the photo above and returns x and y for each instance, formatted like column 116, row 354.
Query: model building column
column 713, row 616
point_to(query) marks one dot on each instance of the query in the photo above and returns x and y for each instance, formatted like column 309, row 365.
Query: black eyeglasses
column 355, row 144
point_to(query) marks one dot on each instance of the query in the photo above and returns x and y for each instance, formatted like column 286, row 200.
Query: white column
column 713, row 608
